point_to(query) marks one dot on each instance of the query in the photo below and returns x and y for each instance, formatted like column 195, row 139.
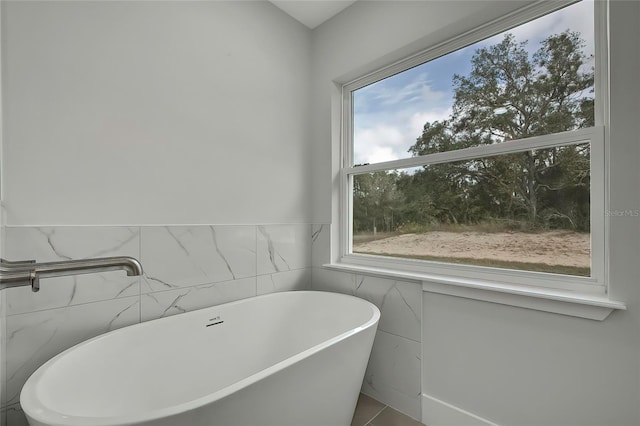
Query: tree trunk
column 532, row 188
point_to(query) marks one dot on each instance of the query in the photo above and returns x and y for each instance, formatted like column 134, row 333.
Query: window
column 484, row 157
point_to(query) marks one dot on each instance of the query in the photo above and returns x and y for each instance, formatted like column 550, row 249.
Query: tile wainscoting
column 187, row 268
column 393, row 375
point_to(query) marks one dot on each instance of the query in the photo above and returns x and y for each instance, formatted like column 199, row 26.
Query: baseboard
column 439, row 413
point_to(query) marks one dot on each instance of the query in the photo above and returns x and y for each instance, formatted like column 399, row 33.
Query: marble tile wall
column 3, row 415
column 186, row 268
column 393, row 374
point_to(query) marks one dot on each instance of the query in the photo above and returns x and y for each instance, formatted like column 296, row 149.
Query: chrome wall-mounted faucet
column 28, row 272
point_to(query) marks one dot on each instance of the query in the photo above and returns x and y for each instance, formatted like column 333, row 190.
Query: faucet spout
column 20, row 273
column 86, row 266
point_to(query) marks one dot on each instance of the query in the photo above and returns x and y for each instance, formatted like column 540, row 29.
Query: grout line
column 151, row 225
column 71, row 306
column 377, row 414
column 255, row 251
column 140, row 277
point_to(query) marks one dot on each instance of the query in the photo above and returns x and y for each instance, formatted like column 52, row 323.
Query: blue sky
column 389, row 114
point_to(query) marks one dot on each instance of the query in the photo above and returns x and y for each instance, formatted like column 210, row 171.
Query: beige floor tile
column 391, row 417
column 366, row 410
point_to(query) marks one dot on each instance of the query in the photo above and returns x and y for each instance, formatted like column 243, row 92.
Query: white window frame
column 446, row 273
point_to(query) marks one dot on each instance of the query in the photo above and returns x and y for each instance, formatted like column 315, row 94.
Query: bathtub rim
column 46, row 415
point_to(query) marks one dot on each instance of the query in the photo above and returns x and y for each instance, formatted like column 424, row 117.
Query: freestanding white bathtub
column 295, row 358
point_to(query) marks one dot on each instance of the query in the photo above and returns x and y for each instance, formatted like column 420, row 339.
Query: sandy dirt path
column 552, row 247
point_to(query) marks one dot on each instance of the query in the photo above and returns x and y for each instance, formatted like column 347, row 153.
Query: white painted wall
column 508, row 365
column 150, row 113
column 155, row 113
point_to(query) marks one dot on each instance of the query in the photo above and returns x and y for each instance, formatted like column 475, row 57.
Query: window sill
column 582, row 305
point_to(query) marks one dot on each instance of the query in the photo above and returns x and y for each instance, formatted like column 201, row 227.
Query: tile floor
column 370, row 412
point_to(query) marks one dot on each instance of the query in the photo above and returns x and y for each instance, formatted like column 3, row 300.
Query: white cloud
column 380, row 143
column 419, row 119
column 418, row 90
column 577, row 17
column 380, row 154
column 392, row 140
column 430, row 95
column 395, row 117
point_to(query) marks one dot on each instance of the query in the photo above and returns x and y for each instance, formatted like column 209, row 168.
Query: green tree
column 375, row 201
column 509, row 95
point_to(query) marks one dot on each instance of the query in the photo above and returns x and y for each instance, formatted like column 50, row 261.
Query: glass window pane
column 533, row 80
column 526, row 211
